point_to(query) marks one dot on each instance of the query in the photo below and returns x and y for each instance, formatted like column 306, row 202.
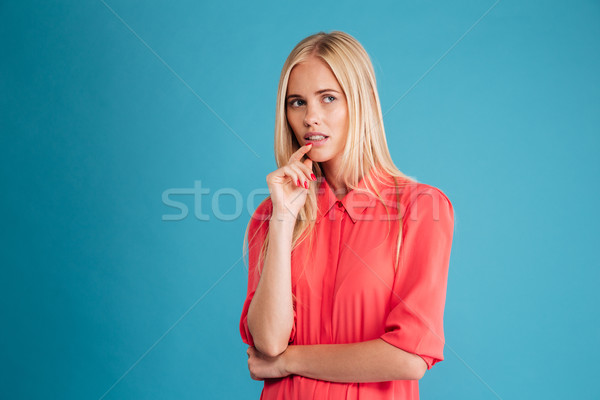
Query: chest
column 344, row 260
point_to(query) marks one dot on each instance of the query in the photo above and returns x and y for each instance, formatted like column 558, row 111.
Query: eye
column 296, row 103
column 329, row 99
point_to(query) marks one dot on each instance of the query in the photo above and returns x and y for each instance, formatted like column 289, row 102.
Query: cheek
column 292, row 120
column 341, row 119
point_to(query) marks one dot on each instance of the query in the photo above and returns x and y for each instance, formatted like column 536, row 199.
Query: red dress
column 348, row 289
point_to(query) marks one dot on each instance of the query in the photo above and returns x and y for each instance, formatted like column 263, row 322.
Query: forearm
column 370, row 361
column 271, row 314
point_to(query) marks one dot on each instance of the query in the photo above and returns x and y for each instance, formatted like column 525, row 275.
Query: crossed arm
column 370, row 361
column 270, row 318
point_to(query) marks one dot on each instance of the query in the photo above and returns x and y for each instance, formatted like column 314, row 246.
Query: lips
column 316, row 140
column 314, row 136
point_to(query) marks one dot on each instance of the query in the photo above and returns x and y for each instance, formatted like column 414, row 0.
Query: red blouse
column 348, row 288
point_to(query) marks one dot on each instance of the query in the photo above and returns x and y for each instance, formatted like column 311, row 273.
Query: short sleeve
column 415, row 320
column 257, row 232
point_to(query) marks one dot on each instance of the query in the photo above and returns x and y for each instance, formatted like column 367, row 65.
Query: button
column 339, row 204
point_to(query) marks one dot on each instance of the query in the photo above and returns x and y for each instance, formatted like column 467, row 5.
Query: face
column 317, row 111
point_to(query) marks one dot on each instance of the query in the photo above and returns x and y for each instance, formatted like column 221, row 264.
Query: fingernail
column 298, row 182
column 308, row 144
column 306, row 185
column 314, row 178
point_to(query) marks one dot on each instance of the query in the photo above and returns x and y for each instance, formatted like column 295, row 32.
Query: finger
column 303, row 176
column 306, row 167
column 298, row 154
column 294, row 174
column 283, row 175
column 299, row 175
column 308, row 163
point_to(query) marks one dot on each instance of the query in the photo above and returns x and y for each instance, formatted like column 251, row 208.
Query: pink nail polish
column 306, row 185
column 314, row 178
column 298, row 182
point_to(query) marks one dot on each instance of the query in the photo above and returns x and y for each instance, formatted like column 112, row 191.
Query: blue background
column 105, row 107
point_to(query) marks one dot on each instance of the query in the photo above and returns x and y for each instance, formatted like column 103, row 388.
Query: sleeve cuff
column 429, row 360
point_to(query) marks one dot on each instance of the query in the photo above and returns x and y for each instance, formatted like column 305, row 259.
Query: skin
column 315, row 103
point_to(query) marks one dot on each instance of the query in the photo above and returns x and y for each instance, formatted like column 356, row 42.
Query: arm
column 271, row 314
column 370, row 361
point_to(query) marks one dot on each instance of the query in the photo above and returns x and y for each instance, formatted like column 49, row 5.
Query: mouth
column 316, row 138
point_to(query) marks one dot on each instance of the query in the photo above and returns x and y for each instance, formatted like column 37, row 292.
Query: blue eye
column 296, row 103
column 329, row 99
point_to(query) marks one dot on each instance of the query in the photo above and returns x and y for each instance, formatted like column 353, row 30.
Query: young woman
column 348, row 257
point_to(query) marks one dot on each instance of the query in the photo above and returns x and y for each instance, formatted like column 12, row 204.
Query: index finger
column 298, row 154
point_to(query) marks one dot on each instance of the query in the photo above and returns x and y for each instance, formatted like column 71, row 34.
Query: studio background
column 109, row 110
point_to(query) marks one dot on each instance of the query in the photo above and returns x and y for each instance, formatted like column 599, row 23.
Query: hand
column 287, row 196
column 262, row 367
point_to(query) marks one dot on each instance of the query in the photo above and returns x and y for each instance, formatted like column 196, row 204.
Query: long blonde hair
column 366, row 145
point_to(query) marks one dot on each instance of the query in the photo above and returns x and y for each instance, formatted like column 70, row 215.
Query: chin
column 318, row 158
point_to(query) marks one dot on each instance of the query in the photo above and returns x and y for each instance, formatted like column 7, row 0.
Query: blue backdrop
column 135, row 141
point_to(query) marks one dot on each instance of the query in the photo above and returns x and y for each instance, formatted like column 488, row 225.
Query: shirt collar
column 354, row 202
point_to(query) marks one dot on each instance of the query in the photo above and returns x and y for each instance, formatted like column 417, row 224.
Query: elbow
column 270, row 349
column 410, row 367
column 417, row 368
column 419, row 372
column 269, row 342
column 268, row 345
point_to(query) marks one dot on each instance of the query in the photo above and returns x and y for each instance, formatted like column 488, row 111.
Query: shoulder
column 410, row 191
column 411, row 195
column 405, row 192
column 264, row 210
column 424, row 189
column 262, row 215
column 425, row 200
column 258, row 225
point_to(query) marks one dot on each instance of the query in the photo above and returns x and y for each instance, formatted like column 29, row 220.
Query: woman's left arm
column 370, row 361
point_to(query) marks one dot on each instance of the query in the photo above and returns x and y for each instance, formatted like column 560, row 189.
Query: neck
column 339, row 187
column 330, row 170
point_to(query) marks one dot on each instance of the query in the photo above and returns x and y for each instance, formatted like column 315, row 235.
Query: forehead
column 310, row 74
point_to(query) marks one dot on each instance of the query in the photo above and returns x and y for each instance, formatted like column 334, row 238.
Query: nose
column 312, row 115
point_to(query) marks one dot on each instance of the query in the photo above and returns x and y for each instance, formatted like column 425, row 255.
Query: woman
column 348, row 257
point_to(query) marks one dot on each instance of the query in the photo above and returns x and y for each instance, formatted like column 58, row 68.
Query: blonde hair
column 366, row 145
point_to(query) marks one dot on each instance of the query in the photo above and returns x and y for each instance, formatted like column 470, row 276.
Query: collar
column 357, row 200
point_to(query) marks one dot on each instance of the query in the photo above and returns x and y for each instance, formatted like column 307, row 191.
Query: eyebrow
column 317, row 92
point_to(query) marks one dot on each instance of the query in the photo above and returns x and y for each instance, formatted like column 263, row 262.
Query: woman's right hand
column 289, row 185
